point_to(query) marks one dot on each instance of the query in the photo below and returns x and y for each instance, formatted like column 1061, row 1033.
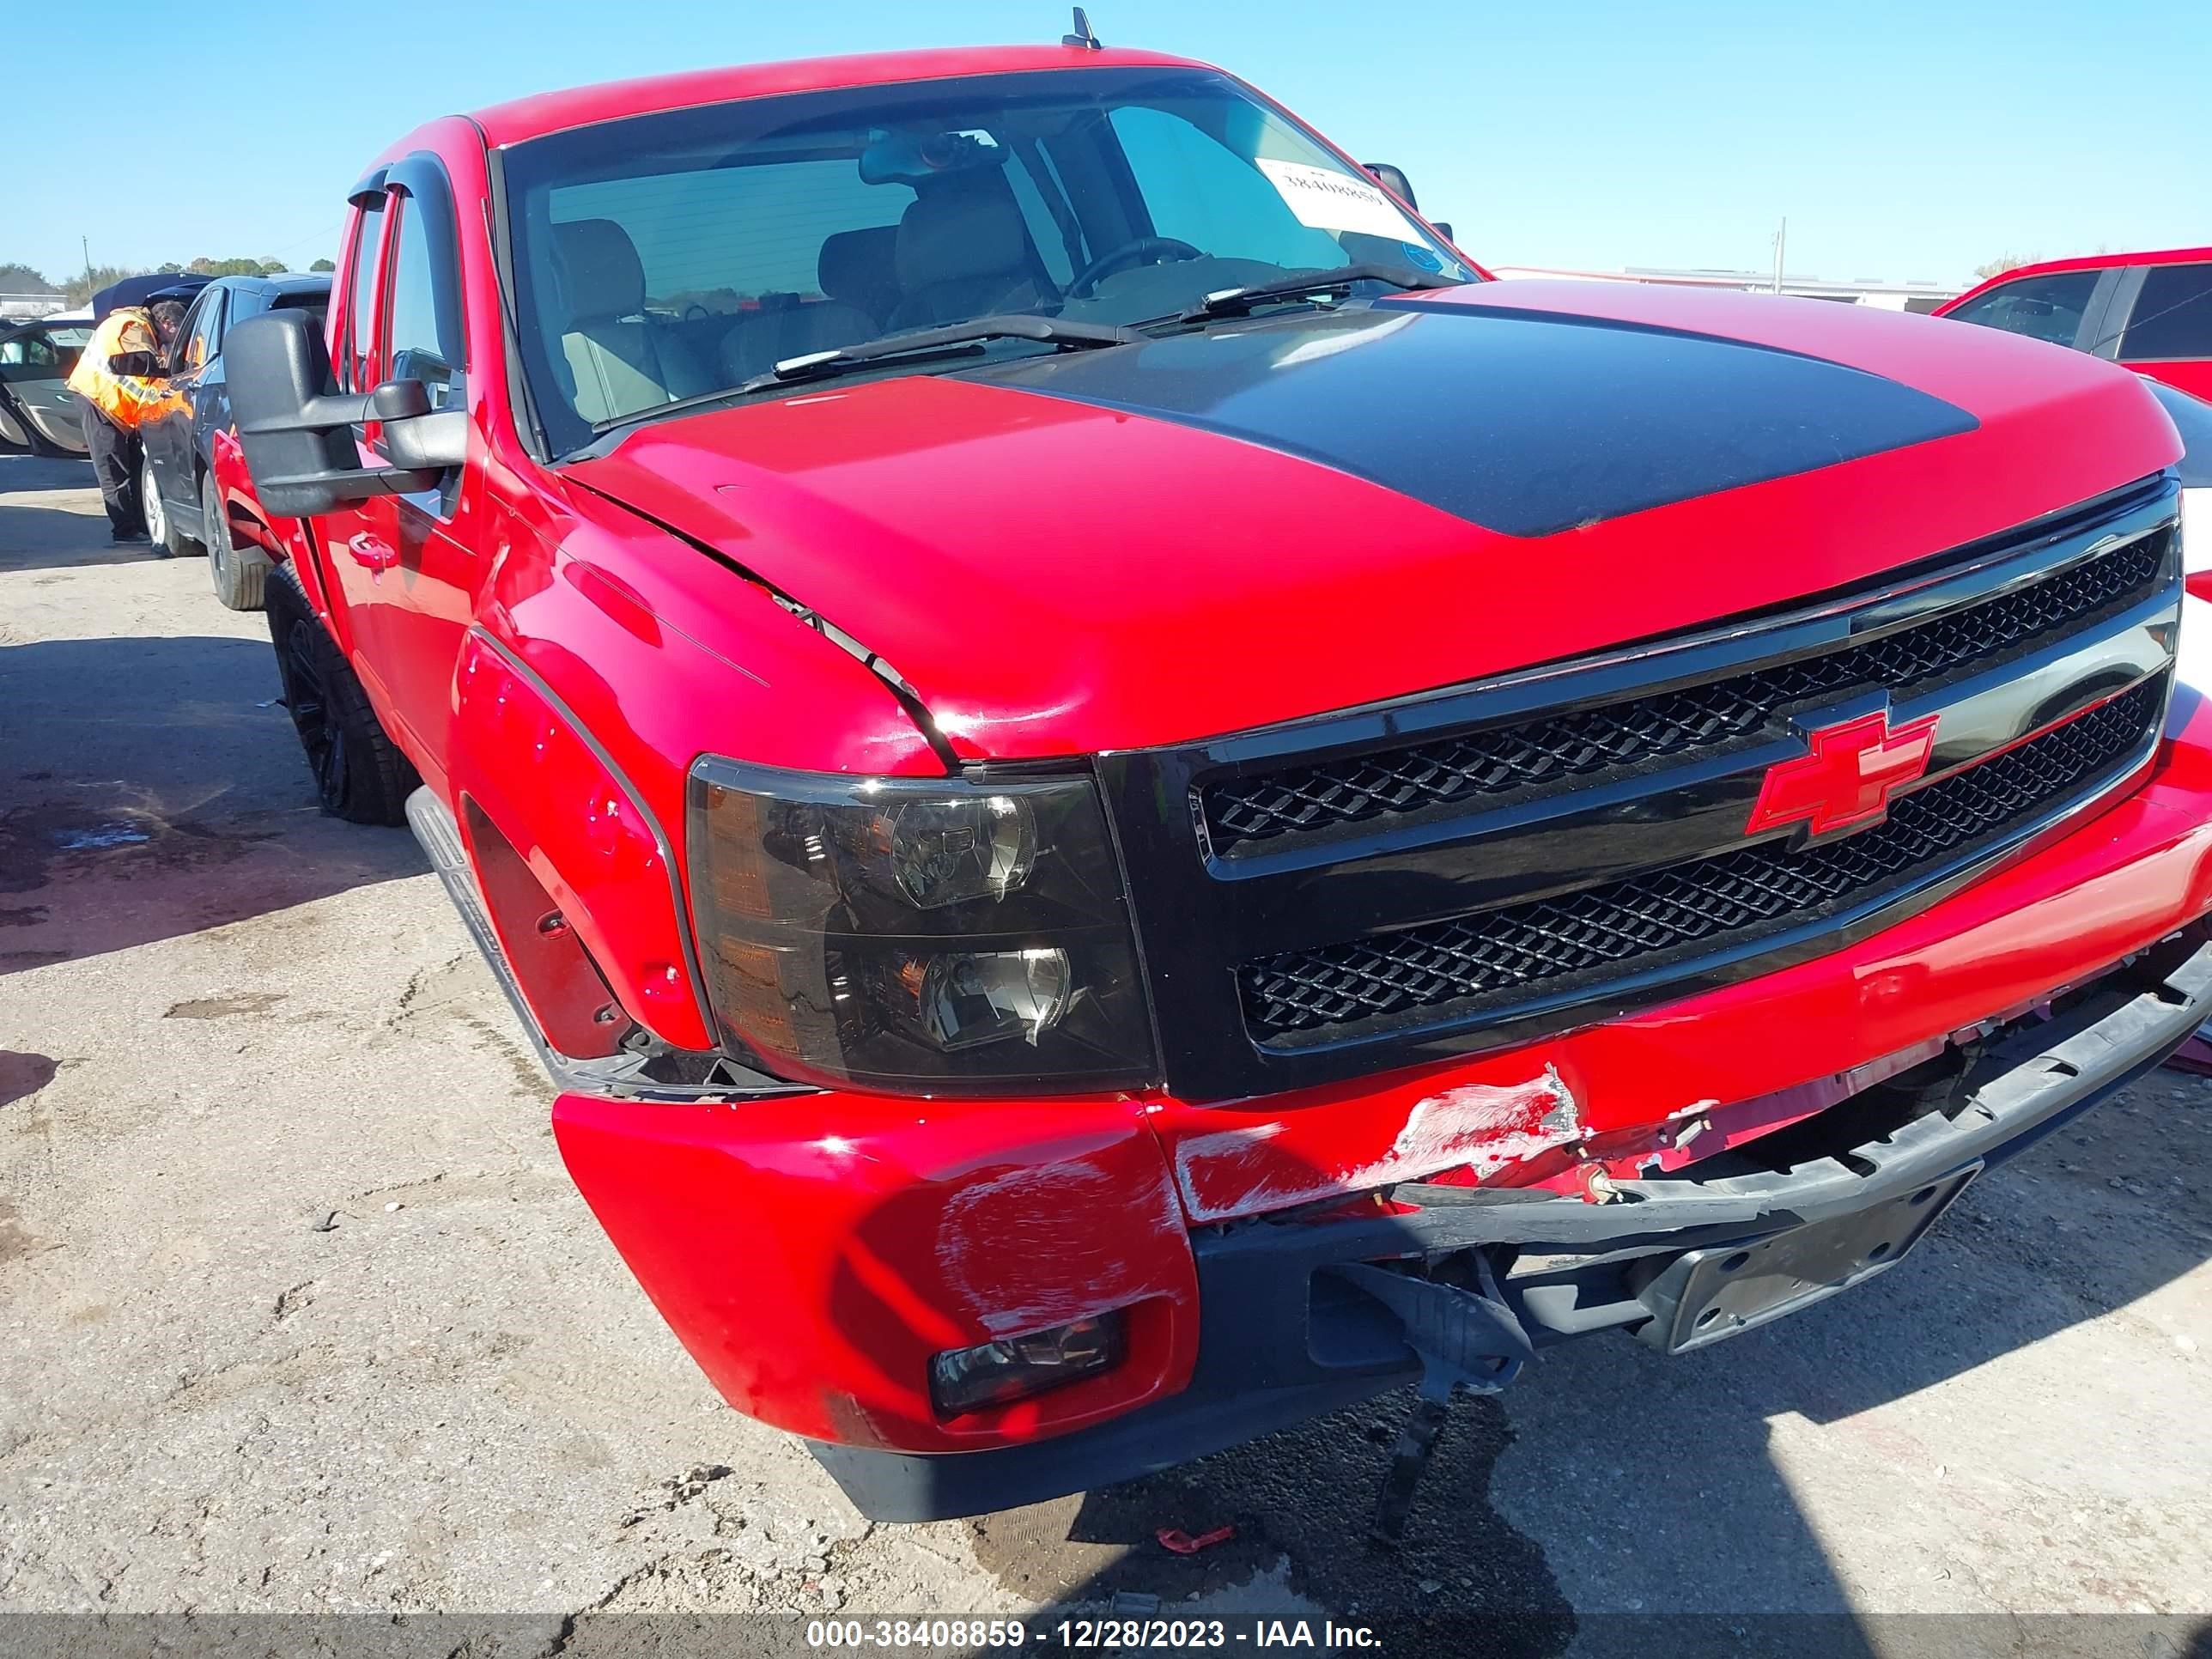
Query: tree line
column 16, row 277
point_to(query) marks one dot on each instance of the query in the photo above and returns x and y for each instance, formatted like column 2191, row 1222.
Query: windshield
column 669, row 256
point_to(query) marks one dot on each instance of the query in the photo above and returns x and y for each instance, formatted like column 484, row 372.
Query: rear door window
column 2047, row 308
column 719, row 238
column 360, row 310
column 2173, row 316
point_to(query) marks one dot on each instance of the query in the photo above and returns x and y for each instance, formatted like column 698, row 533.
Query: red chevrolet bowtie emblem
column 1855, row 766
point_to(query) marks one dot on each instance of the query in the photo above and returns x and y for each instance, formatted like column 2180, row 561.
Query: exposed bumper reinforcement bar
column 1283, row 1340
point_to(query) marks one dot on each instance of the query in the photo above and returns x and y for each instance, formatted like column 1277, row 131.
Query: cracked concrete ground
column 299, row 1311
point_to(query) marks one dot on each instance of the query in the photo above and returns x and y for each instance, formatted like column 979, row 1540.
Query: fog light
column 1015, row 1367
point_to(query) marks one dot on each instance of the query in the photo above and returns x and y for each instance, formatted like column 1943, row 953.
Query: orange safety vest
column 123, row 399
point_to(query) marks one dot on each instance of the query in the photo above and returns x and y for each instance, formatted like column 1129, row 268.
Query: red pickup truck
column 1130, row 805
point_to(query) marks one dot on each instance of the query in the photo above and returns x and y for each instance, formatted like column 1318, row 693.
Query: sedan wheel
column 168, row 541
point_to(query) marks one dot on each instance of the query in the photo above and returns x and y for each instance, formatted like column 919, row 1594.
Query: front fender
column 602, row 855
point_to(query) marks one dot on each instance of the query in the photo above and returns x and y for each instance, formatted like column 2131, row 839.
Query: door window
column 203, row 332
column 2173, row 316
column 28, row 349
column 2046, row 307
column 416, row 346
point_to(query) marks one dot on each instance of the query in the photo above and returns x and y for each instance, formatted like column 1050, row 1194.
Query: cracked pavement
column 299, row 1311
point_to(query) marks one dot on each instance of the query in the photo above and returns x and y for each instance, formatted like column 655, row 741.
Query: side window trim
column 210, row 325
column 2119, row 298
column 420, row 182
column 2088, row 337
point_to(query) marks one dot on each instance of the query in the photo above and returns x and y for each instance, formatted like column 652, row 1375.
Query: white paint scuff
column 1483, row 1126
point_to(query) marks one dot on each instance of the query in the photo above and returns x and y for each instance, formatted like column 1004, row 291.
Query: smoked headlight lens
column 944, row 935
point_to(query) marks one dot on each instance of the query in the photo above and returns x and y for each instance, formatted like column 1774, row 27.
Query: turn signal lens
column 939, row 935
column 967, row 1379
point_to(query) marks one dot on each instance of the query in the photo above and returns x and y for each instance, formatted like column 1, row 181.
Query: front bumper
column 814, row 1252
column 1282, row 1340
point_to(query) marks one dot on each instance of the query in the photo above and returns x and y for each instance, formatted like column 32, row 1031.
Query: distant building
column 1917, row 295
column 18, row 306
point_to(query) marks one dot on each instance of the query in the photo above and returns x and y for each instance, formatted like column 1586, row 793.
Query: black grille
column 1516, row 761
column 1483, row 959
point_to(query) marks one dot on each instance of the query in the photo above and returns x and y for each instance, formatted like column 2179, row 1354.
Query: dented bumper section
column 1290, row 1326
column 815, row 1253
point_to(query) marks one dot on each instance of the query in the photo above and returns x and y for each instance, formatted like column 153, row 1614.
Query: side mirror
column 139, row 365
column 297, row 428
column 1394, row 180
column 1443, row 228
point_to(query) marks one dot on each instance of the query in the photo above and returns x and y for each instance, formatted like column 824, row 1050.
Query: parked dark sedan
column 195, row 490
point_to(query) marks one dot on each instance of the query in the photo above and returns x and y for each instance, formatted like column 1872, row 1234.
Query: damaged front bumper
column 1286, row 1332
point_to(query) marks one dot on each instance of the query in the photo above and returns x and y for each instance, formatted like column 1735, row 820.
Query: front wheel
column 360, row 773
column 237, row 572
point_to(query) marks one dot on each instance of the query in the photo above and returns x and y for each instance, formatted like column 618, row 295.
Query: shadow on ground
column 1658, row 1474
column 49, row 535
column 150, row 787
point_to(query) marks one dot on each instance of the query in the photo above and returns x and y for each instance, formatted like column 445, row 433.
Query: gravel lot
column 224, row 1019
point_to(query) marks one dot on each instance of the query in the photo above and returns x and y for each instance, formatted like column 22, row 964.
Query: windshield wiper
column 1237, row 301
column 951, row 337
column 971, row 334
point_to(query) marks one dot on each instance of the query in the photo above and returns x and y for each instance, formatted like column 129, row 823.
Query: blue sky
column 1902, row 141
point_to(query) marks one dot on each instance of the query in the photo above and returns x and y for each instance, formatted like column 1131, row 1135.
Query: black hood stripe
column 1524, row 423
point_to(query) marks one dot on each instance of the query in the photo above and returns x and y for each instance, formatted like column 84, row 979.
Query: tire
column 169, row 542
column 360, row 773
column 238, row 573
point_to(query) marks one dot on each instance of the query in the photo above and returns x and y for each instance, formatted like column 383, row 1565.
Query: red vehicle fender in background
column 814, row 1252
column 250, row 523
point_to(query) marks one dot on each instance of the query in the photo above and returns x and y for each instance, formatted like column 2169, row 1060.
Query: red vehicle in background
column 1129, row 805
column 2152, row 311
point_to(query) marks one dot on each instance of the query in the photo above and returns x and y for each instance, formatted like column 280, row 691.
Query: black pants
column 115, row 461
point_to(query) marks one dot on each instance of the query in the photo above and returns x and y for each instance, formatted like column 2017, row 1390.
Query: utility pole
column 85, row 243
column 1780, row 244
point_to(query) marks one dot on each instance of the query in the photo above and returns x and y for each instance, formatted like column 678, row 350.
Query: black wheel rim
column 307, row 695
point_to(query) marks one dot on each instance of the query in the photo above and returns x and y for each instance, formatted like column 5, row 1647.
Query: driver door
column 415, row 576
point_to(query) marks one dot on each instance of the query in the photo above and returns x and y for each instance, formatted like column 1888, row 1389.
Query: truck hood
column 1209, row 532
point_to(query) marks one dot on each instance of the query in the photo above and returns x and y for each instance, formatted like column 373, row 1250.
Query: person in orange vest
column 110, row 407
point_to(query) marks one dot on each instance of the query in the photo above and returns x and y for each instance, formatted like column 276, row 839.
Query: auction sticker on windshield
column 1328, row 200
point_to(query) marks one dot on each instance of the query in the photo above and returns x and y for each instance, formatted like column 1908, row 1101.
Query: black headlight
column 945, row 935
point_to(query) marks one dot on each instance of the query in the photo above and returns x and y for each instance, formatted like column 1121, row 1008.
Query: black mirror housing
column 1394, row 181
column 138, row 365
column 297, row 428
column 1443, row 228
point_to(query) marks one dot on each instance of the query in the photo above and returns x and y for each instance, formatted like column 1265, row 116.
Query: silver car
column 37, row 411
